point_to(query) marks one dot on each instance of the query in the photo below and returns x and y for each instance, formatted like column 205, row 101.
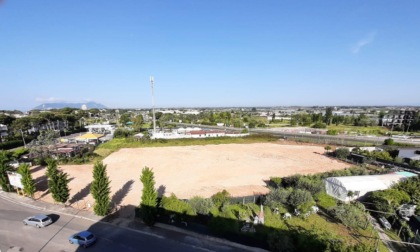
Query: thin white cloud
column 368, row 39
column 48, row 99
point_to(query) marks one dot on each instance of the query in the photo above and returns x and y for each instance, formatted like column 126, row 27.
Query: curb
column 4, row 195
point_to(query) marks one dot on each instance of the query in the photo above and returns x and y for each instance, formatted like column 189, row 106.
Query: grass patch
column 115, row 144
column 354, row 130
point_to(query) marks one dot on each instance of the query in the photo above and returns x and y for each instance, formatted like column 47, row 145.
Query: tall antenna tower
column 153, row 106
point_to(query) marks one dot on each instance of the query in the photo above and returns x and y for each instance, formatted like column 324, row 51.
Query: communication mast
column 153, row 106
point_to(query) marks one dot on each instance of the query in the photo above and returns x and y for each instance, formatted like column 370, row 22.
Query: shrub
column 276, row 198
column 275, row 182
column 175, row 205
column 350, row 215
column 299, row 197
column 201, row 205
column 342, row 153
column 290, row 181
column 314, row 186
column 332, row 132
column 320, row 125
column 389, row 141
column 220, row 198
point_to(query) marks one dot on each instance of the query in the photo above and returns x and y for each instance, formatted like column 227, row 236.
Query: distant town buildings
column 402, row 119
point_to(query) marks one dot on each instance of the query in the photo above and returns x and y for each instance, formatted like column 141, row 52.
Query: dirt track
column 195, row 170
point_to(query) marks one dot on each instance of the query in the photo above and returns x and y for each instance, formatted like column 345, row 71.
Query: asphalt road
column 14, row 236
column 279, row 133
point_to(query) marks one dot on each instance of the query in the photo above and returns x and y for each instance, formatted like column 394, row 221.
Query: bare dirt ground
column 188, row 171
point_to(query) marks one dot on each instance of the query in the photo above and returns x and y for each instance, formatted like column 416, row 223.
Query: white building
column 3, row 130
column 193, row 133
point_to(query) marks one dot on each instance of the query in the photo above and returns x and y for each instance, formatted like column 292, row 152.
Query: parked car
column 39, row 220
column 84, row 238
column 384, row 222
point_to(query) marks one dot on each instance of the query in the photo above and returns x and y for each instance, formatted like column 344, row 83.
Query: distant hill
column 60, row 105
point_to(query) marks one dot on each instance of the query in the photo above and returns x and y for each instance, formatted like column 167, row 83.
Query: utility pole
column 23, row 138
column 153, row 106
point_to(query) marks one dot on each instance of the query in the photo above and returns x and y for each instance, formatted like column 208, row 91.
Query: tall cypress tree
column 148, row 202
column 4, row 168
column 100, row 189
column 61, row 191
column 52, row 169
column 58, row 182
column 27, row 181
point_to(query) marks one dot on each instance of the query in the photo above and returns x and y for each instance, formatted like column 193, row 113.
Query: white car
column 39, row 220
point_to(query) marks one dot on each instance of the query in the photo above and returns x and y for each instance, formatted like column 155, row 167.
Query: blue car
column 84, row 238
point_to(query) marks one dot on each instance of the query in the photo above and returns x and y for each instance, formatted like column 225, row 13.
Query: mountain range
column 60, row 105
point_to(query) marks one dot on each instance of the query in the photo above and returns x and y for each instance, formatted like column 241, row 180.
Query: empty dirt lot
column 194, row 170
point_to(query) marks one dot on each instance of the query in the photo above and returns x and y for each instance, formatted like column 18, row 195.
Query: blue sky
column 209, row 53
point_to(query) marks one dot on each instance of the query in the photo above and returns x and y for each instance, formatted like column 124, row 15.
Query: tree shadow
column 81, row 194
column 41, row 183
column 161, row 191
column 37, row 168
column 121, row 193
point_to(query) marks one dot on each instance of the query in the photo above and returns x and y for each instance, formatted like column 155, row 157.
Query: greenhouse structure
column 339, row 187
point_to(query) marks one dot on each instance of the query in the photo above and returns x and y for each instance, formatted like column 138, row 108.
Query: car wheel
column 70, row 242
column 24, row 223
column 37, row 226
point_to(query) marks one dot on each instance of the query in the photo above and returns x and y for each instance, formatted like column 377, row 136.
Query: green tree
column 57, row 182
column 4, row 168
column 100, row 189
column 201, row 205
column 328, row 115
column 52, row 170
column 27, row 181
column 138, row 122
column 60, row 188
column 149, row 195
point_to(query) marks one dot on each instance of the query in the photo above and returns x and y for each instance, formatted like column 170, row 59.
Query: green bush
column 220, row 198
column 389, row 141
column 314, row 186
column 175, row 205
column 275, row 181
column 342, row 153
column 201, row 205
column 320, row 125
column 350, row 215
column 299, row 197
column 278, row 197
column 332, row 132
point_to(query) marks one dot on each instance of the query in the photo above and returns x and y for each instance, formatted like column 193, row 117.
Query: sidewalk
column 159, row 229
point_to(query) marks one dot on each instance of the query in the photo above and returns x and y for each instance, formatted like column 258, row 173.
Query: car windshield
column 45, row 219
column 89, row 237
